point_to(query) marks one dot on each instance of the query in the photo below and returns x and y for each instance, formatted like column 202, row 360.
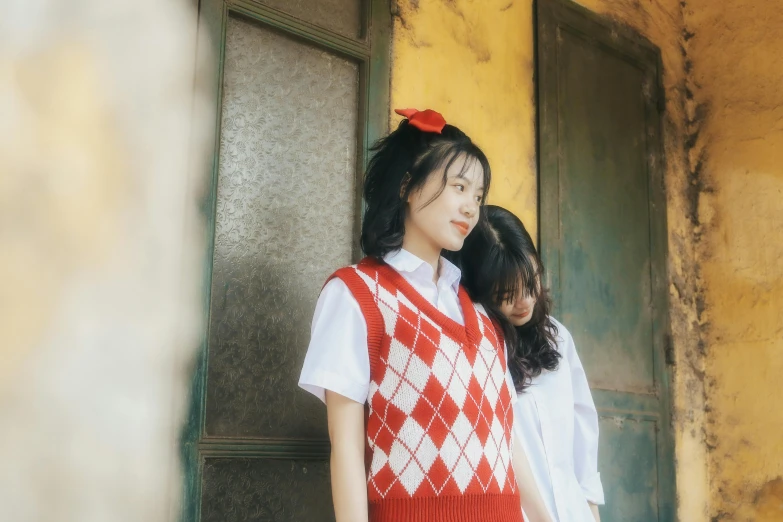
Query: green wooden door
column 603, row 238
column 300, row 90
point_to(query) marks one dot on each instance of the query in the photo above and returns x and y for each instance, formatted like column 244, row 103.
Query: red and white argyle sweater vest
column 439, row 413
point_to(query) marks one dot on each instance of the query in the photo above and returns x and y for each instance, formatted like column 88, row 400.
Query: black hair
column 400, row 164
column 494, row 258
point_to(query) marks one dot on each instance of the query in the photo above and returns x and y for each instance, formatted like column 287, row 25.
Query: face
column 520, row 310
column 445, row 222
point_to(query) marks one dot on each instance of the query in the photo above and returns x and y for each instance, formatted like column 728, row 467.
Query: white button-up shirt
column 337, row 358
column 556, row 420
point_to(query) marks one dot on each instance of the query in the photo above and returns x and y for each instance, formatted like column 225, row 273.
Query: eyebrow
column 461, row 175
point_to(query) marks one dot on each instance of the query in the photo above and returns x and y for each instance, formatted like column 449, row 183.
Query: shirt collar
column 405, row 262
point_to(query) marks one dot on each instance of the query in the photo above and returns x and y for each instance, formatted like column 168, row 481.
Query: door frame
column 552, row 16
column 371, row 51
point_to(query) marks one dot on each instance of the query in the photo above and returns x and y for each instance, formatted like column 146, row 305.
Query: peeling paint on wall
column 473, row 62
column 737, row 71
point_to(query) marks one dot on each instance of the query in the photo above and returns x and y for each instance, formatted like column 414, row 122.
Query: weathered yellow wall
column 737, row 53
column 473, row 61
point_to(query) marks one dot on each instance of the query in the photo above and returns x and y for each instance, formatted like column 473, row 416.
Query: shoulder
column 345, row 285
column 334, row 286
column 564, row 339
column 562, row 335
column 356, row 278
column 336, row 294
column 485, row 320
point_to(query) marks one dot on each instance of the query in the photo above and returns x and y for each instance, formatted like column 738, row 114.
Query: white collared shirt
column 337, row 358
column 556, row 420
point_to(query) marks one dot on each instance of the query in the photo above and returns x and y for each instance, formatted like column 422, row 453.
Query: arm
column 594, row 510
column 337, row 371
column 532, row 502
column 346, row 433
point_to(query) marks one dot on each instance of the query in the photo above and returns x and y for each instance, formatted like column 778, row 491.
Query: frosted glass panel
column 340, row 16
column 266, row 490
column 285, row 213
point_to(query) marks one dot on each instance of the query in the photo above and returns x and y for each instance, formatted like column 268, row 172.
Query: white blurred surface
column 100, row 255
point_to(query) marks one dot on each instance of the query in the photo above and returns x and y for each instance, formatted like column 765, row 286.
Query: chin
column 453, row 245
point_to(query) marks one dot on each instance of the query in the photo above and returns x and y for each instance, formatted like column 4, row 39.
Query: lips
column 462, row 227
column 524, row 313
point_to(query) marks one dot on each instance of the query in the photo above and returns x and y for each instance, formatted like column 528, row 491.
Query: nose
column 525, row 301
column 470, row 208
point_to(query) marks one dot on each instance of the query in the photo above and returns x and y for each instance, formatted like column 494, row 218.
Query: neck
column 425, row 251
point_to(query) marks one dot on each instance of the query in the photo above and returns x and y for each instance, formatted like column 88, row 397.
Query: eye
column 460, row 187
column 479, row 199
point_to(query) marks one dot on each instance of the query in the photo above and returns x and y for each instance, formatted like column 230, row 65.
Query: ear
column 406, row 179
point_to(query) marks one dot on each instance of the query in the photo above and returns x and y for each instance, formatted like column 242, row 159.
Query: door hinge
column 668, row 350
column 661, row 101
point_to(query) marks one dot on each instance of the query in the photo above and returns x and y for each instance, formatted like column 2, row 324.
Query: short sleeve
column 585, row 424
column 337, row 358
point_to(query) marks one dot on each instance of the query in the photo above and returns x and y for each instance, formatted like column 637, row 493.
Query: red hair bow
column 426, row 120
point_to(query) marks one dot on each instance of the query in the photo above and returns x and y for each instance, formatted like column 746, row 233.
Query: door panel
column 341, row 16
column 604, row 212
column 284, row 221
column 266, row 490
column 629, row 488
column 603, row 240
column 298, row 96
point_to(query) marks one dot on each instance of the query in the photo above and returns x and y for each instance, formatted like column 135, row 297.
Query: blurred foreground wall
column 100, row 261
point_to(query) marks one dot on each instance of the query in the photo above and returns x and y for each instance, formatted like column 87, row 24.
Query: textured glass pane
column 266, row 490
column 285, row 210
column 340, row 16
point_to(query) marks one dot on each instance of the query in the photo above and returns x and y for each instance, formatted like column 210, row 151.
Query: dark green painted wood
column 310, row 32
column 376, row 91
column 377, row 115
column 604, row 214
column 209, row 51
column 602, row 225
column 271, row 448
column 628, row 497
column 617, row 403
column 372, row 53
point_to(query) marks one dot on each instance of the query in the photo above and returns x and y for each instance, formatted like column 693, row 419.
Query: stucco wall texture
column 473, row 62
column 723, row 139
column 737, row 54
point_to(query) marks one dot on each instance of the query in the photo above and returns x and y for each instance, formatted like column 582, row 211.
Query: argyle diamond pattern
column 439, row 407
